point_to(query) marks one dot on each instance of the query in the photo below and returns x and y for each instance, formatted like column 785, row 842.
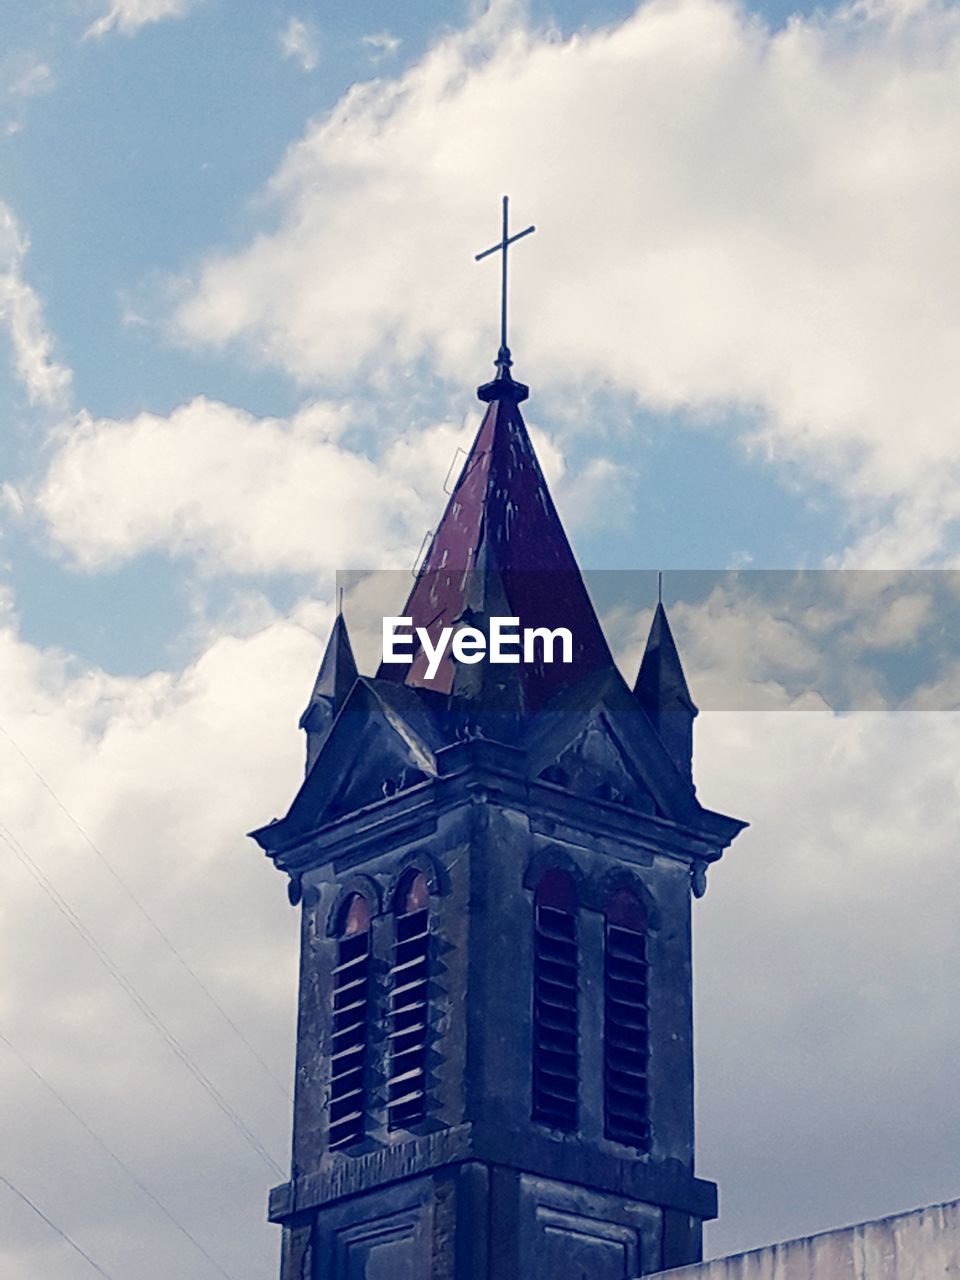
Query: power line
column 142, row 1004
column 112, row 1154
column 134, row 899
column 53, row 1227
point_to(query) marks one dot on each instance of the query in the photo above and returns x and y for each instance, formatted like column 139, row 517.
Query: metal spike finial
column 496, row 390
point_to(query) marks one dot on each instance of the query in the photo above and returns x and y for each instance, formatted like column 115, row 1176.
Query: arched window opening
column 555, row 1013
column 409, row 1002
column 351, row 1003
column 626, row 1028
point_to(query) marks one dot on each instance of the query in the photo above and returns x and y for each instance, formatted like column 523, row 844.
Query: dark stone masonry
column 494, row 871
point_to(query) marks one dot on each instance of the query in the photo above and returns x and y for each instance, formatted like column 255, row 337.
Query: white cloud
column 298, row 41
column 237, row 493
column 382, row 44
column 245, row 495
column 165, row 773
column 21, row 314
column 728, row 216
column 25, row 75
column 683, row 280
column 814, row 640
column 823, row 943
column 824, row 950
column 128, row 16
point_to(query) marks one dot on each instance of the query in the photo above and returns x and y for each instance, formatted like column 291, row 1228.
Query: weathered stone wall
column 923, row 1245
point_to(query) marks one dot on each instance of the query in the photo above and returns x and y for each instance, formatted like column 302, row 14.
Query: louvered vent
column 555, row 1050
column 409, row 1006
column 626, row 1036
column 351, row 1007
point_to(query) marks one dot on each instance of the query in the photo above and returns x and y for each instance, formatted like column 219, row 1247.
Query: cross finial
column 503, row 361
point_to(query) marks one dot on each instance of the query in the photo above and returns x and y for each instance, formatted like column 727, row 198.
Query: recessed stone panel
column 573, row 1246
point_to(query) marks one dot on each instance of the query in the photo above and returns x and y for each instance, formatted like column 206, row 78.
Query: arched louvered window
column 409, row 1003
column 351, row 1005
column 626, row 1103
column 555, row 982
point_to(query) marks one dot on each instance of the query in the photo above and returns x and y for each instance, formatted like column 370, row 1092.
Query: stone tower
column 494, row 870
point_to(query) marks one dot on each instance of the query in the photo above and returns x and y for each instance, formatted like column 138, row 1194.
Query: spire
column 500, row 551
column 662, row 691
column 500, row 536
column 338, row 671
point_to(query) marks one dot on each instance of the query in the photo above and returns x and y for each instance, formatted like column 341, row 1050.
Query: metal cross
column 506, row 240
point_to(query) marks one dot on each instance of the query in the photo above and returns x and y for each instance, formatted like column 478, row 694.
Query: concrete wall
column 922, row 1245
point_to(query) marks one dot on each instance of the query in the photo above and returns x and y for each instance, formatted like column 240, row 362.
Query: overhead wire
column 147, row 916
column 21, row 1195
column 117, row 1160
column 138, row 1000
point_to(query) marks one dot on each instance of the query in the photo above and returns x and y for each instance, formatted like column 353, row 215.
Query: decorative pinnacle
column 503, row 387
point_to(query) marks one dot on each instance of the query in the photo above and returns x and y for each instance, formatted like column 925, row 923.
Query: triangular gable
column 604, row 704
column 383, row 740
column 595, row 765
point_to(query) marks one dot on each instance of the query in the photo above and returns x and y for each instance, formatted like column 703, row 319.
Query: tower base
column 478, row 1221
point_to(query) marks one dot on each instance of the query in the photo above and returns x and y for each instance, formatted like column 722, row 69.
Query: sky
column 240, row 330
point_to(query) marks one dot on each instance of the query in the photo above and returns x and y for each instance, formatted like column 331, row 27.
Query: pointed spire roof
column 338, row 671
column 661, row 683
column 500, row 542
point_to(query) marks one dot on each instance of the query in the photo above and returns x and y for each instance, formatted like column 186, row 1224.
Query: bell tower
column 494, row 870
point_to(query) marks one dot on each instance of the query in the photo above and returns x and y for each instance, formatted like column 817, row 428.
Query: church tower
column 494, row 869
